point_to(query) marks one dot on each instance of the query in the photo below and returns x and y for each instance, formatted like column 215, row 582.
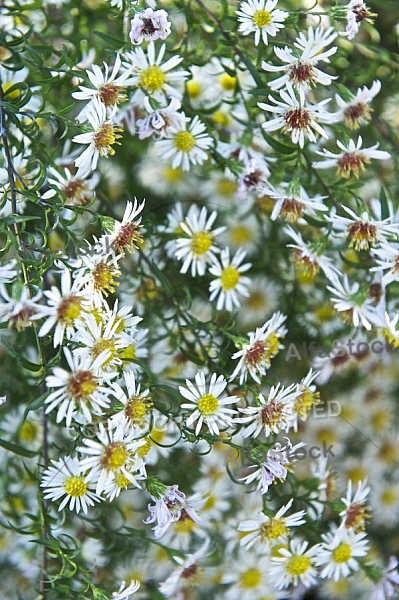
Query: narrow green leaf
column 16, row 449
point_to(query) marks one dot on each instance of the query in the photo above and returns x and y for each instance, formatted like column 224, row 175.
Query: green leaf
column 355, row 265
column 110, row 39
column 24, row 362
column 279, row 146
column 16, row 449
column 165, row 282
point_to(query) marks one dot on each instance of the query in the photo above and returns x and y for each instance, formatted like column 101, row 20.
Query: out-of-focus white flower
column 229, row 282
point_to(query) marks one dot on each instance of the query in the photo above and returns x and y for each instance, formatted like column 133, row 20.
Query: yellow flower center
column 389, row 497
column 342, row 553
column 256, row 301
column 75, row 486
column 208, row 404
column 122, row 481
column 69, row 310
column 104, row 344
column 184, row 141
column 274, row 529
column 221, row 117
column 262, row 18
column 251, row 578
column 298, row 565
column 228, row 82
column 226, row 187
column 200, row 243
column 229, row 278
column 103, row 277
column 105, row 137
column 145, row 448
column 28, row 432
column 173, row 175
column 114, row 456
column 128, row 352
column 194, row 89
column 241, row 234
column 81, row 385
column 136, row 409
column 152, row 78
column 305, row 401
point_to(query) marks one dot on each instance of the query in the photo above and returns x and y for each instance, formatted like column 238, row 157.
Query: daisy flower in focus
column 64, row 308
column 125, row 234
column 137, row 405
column 108, row 88
column 293, row 205
column 78, row 189
column 149, row 26
column 198, row 248
column 352, row 159
column 255, row 357
column 302, row 71
column 113, row 455
column 353, row 301
column 261, row 17
column 310, row 257
column 362, row 232
column 356, row 111
column 271, row 415
column 295, row 565
column 268, row 531
column 65, row 478
column 152, row 77
column 295, row 116
column 100, row 140
column 206, row 405
column 80, row 389
column 158, row 122
column 185, row 143
column 356, row 513
column 229, row 282
column 339, row 552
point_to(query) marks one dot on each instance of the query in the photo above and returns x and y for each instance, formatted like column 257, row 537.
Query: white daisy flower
column 124, row 592
column 269, row 531
column 187, row 575
column 98, row 275
column 125, row 234
column 261, row 17
column 185, row 143
column 293, row 205
column 388, row 584
column 100, row 140
column 170, row 506
column 296, row 116
column 272, row 415
column 65, row 478
column 356, row 513
column 198, row 248
column 229, row 282
column 387, row 260
column 95, row 337
column 81, row 389
column 8, row 272
column 160, row 121
column 78, row 189
column 151, row 76
column 356, row 111
column 362, row 232
column 339, row 553
column 249, row 578
column 295, row 565
column 107, row 87
column 149, row 25
column 310, row 257
column 113, row 455
column 307, row 398
column 207, row 408
column 20, row 311
column 64, row 308
column 302, row 71
column 264, row 344
column 254, row 175
column 353, row 301
column 137, row 405
column 352, row 159
column 358, row 12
